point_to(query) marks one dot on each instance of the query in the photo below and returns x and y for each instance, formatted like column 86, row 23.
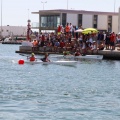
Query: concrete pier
column 107, row 54
column 110, row 54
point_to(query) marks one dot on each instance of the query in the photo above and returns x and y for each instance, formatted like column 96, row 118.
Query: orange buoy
column 21, row 62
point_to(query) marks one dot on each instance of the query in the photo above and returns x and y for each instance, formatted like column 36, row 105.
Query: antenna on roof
column 114, row 4
column 43, row 3
column 28, row 14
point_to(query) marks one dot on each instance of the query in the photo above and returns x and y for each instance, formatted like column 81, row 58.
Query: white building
column 50, row 19
column 14, row 31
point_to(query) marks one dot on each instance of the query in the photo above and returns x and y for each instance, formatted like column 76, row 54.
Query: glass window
column 50, row 21
column 58, row 21
column 80, row 19
column 63, row 19
column 110, row 23
column 44, row 21
column 55, row 21
column 95, row 19
column 95, row 26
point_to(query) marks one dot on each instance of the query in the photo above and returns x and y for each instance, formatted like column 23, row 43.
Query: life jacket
column 35, row 43
column 32, row 58
column 67, row 28
column 66, row 53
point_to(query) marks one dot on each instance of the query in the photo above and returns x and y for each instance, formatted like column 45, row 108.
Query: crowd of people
column 67, row 39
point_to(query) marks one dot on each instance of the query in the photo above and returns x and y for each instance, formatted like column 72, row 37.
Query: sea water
column 88, row 91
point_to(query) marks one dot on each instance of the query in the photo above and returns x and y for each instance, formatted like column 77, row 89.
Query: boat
column 66, row 63
column 98, row 57
column 12, row 42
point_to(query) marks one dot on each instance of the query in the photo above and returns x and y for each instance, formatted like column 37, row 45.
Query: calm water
column 89, row 91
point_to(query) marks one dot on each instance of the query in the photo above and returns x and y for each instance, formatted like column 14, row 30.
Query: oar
column 28, row 56
column 23, row 54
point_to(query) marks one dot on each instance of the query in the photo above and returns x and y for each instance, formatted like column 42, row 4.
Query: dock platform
column 107, row 54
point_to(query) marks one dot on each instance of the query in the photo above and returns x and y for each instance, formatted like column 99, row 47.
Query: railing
column 35, row 25
column 45, row 25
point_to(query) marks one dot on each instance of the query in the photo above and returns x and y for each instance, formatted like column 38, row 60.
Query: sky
column 17, row 12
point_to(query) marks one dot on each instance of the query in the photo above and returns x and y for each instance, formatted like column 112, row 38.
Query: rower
column 77, row 53
column 66, row 53
column 45, row 59
column 32, row 57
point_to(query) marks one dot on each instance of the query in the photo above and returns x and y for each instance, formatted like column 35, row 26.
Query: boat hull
column 69, row 63
column 98, row 57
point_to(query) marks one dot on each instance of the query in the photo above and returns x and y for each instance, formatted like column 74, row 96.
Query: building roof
column 75, row 11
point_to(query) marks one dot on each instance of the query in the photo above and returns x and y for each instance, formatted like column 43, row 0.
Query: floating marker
column 21, row 62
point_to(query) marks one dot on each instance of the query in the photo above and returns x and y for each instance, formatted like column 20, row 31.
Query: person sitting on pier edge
column 66, row 53
column 45, row 59
column 32, row 57
column 101, row 46
column 77, row 53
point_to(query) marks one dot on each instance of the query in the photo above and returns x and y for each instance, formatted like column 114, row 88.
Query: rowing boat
column 98, row 57
column 68, row 63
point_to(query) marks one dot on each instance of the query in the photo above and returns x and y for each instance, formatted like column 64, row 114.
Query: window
column 80, row 19
column 95, row 20
column 63, row 19
column 109, row 23
column 50, row 21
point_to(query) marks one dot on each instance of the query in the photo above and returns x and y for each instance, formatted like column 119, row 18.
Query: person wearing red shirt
column 32, row 57
column 42, row 40
column 67, row 28
column 62, row 44
column 59, row 29
column 112, row 41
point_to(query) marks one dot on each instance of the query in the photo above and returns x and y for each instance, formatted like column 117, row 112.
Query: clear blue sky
column 17, row 12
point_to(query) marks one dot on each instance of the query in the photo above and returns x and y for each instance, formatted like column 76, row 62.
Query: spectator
column 112, row 41
column 107, row 41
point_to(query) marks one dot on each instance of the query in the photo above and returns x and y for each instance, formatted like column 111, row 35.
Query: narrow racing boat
column 67, row 63
column 98, row 57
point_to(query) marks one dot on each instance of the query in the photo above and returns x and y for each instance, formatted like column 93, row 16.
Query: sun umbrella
column 79, row 30
column 89, row 30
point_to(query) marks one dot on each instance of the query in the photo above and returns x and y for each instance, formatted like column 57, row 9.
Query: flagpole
column 28, row 14
column 114, row 5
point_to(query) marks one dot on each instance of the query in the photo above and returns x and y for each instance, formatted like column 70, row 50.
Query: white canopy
column 79, row 30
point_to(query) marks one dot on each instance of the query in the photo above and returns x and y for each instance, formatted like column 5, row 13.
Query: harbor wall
column 107, row 54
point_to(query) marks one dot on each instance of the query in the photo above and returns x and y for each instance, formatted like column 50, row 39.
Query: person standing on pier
column 112, row 41
column 107, row 41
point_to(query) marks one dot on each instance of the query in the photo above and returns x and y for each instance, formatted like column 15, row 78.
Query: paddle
column 23, row 54
column 28, row 56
